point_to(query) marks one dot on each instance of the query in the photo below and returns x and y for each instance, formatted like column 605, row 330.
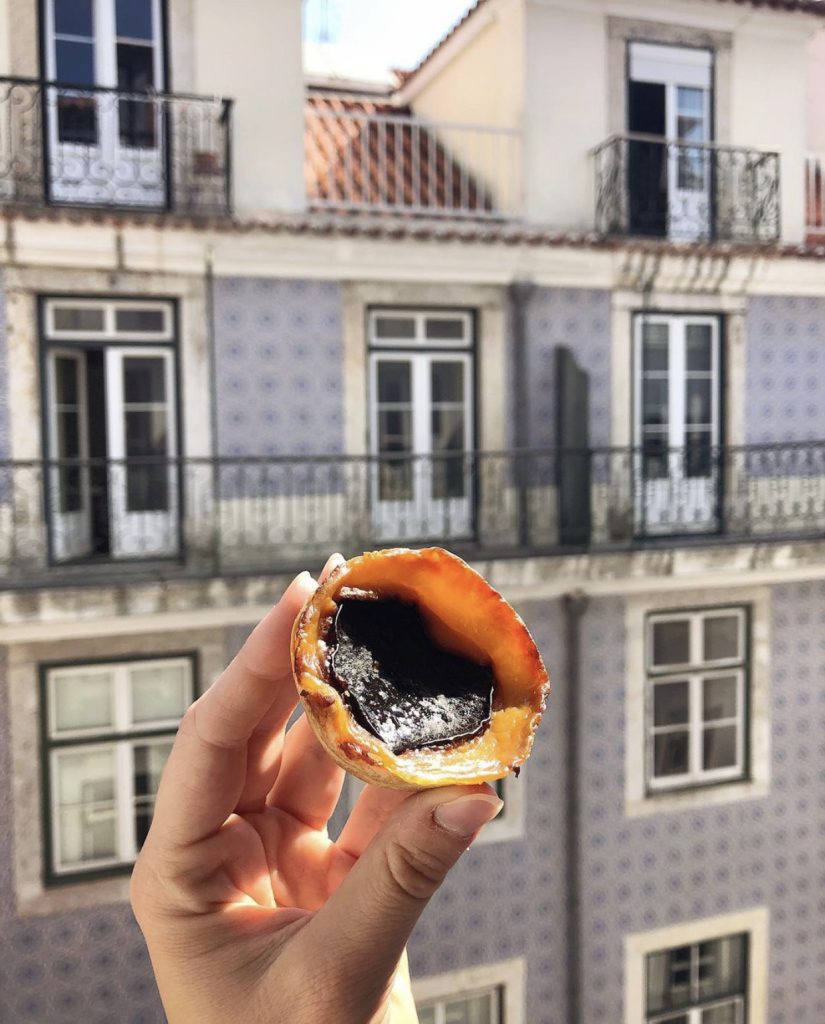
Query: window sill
column 78, row 895
column 696, row 798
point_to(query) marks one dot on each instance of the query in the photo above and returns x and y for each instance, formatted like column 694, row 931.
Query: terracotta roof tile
column 360, row 152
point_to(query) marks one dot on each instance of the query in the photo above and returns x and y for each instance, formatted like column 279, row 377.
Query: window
column 474, row 1008
column 701, row 983
column 710, row 971
column 421, row 423
column 108, row 731
column 696, row 697
column 485, row 994
column 111, row 407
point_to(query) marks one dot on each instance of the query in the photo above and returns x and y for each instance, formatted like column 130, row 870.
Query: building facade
column 554, row 299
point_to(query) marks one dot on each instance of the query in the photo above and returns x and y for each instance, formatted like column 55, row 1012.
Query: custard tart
column 414, row 672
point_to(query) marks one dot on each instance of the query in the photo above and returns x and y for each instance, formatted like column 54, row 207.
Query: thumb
column 365, row 925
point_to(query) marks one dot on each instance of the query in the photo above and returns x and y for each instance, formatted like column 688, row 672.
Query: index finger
column 205, row 774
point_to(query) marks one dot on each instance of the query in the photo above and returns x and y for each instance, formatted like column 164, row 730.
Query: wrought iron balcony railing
column 686, row 191
column 88, row 146
column 360, row 161
column 261, row 514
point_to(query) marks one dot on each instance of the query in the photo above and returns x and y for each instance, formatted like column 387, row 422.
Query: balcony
column 360, row 157
column 686, row 192
column 92, row 520
column 93, row 147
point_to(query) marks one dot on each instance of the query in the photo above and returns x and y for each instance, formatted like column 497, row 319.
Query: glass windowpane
column 87, row 818
column 670, row 703
column 655, row 348
column 719, row 747
column 719, row 698
column 66, row 380
column 134, row 18
column 721, row 637
column 698, row 402
column 395, row 328
column 394, row 381
column 655, row 402
column 140, row 321
column 75, row 62
column 144, row 380
column 67, row 318
column 426, row 1015
column 722, row 967
column 699, row 356
column 671, row 642
column 82, row 700
column 670, row 754
column 159, row 692
column 447, row 381
column 471, row 1010
column 726, row 1013
column 444, row 329
column 73, row 17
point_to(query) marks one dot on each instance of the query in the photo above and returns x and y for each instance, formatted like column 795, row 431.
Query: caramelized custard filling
column 398, row 684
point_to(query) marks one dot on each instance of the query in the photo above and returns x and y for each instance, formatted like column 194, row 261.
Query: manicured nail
column 466, row 815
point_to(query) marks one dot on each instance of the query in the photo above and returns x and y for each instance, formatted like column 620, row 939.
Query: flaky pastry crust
column 465, row 615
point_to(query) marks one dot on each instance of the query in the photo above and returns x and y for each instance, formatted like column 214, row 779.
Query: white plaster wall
column 5, row 38
column 565, row 113
column 816, row 93
column 483, row 84
column 252, row 54
column 769, row 108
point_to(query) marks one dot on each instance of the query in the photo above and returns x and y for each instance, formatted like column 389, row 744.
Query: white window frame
column 695, row 673
column 121, row 736
column 640, row 799
column 109, row 331
column 755, row 923
column 695, row 1011
column 419, row 317
column 509, row 976
column 440, row 1005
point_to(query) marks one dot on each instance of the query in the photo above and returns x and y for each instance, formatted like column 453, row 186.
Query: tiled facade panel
column 279, row 356
column 578, row 318
column 646, row 873
column 86, row 965
column 508, row 899
column 785, row 374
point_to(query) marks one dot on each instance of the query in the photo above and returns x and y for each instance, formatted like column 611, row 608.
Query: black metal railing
column 686, row 191
column 262, row 514
column 89, row 146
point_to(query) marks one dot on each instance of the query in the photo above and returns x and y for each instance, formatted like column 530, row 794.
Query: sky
column 369, row 36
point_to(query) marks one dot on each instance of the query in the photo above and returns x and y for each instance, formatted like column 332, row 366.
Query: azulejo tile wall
column 507, row 899
column 279, row 356
column 785, row 375
column 578, row 318
column 648, row 873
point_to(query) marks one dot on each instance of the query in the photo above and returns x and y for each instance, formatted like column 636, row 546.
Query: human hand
column 250, row 913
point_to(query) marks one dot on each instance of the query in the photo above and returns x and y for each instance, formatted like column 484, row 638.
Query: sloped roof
column 361, row 152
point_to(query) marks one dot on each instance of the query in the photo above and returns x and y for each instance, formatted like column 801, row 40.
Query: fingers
column 364, row 926
column 332, row 564
column 309, row 782
column 205, row 776
column 372, row 808
column 266, row 743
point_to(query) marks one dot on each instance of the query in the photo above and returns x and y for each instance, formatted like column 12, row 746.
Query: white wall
column 483, row 84
column 566, row 112
column 770, row 105
column 816, row 93
column 251, row 52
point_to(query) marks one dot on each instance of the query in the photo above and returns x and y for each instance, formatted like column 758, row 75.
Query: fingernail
column 466, row 815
